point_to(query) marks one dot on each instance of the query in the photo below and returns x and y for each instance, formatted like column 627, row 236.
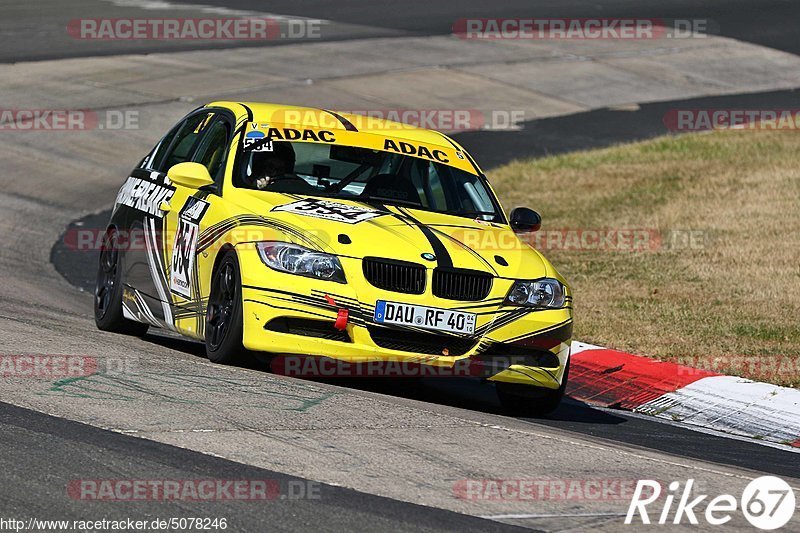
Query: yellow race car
column 310, row 234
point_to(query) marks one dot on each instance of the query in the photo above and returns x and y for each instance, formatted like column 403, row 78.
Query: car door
column 190, row 211
column 139, row 204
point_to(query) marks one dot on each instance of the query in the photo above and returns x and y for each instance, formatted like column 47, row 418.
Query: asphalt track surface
column 35, row 30
column 32, row 439
column 109, row 455
column 573, row 416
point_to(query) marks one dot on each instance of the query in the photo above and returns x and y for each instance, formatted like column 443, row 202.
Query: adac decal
column 420, row 151
column 310, row 207
column 184, row 249
column 144, row 195
column 291, row 134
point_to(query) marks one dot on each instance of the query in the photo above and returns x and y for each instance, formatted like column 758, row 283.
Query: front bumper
column 511, row 344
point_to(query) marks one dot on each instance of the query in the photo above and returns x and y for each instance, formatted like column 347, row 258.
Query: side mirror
column 524, row 220
column 191, row 175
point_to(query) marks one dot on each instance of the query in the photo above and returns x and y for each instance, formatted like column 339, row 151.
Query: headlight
column 540, row 293
column 295, row 259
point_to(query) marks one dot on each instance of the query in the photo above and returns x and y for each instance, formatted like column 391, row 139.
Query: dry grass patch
column 733, row 294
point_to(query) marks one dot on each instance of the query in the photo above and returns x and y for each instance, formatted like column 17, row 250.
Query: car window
column 213, row 147
column 339, row 171
column 184, row 142
column 157, row 154
column 434, row 188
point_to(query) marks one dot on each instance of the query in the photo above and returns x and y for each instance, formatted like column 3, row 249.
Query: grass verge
column 713, row 279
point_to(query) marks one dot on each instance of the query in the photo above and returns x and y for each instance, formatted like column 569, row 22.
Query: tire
column 108, row 290
column 224, row 319
column 524, row 400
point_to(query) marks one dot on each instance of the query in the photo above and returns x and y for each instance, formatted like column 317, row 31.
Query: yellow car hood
column 397, row 232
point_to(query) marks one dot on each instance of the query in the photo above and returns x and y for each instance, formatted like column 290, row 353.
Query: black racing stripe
column 249, row 112
column 561, row 331
column 443, row 258
column 326, row 317
column 212, row 234
column 470, row 251
column 346, row 123
column 356, row 315
column 503, row 320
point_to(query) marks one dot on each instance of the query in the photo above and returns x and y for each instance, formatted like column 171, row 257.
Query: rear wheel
column 224, row 320
column 524, row 400
column 108, row 290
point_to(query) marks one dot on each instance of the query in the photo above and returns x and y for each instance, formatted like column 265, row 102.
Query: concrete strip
column 538, row 79
column 733, row 405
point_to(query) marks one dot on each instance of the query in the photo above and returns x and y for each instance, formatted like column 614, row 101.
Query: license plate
column 424, row 317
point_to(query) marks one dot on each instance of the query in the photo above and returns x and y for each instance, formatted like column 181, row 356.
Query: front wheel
column 108, row 290
column 224, row 320
column 524, row 400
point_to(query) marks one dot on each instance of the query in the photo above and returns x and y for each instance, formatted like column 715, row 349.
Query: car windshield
column 337, row 171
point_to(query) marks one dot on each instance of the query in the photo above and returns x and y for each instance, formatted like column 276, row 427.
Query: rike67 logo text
column 767, row 502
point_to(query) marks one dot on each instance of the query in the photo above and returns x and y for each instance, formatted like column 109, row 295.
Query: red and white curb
column 679, row 393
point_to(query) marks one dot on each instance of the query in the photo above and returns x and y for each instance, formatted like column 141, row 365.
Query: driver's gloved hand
column 261, row 183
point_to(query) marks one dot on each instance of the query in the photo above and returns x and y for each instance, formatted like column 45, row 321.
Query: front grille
column 307, row 328
column 397, row 276
column 416, row 342
column 461, row 284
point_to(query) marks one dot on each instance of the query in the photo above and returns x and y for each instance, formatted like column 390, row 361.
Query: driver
column 268, row 167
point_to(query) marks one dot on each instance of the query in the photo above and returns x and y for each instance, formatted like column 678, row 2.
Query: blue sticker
column 255, row 135
column 380, row 310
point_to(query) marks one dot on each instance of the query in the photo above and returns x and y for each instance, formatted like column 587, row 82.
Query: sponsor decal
column 419, row 151
column 184, row 249
column 291, row 134
column 349, row 214
column 194, row 210
column 257, row 141
column 144, row 195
